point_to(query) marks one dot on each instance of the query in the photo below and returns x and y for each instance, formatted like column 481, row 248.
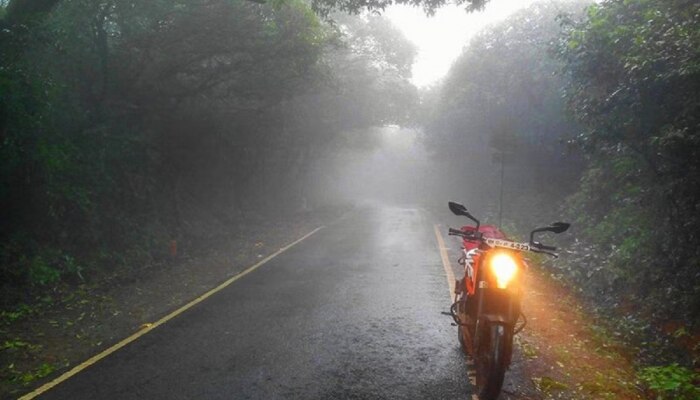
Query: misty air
column 321, row 199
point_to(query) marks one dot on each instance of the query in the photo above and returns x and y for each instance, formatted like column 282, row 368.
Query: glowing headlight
column 504, row 267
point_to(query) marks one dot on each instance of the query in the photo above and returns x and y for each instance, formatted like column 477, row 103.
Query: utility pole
column 500, row 200
column 503, row 144
column 499, row 156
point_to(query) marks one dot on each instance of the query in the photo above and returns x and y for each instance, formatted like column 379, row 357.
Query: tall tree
column 634, row 69
column 125, row 124
column 501, row 100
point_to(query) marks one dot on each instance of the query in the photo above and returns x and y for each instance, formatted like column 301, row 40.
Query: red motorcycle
column 487, row 307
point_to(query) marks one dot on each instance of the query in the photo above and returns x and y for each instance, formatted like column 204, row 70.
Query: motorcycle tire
column 460, row 328
column 491, row 362
column 460, row 337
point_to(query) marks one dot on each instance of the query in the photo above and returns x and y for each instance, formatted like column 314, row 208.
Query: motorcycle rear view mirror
column 559, row 227
column 458, row 209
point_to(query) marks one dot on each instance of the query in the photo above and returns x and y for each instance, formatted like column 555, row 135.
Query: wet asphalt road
column 353, row 312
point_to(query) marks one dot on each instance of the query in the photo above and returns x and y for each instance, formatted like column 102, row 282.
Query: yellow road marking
column 449, row 272
column 149, row 327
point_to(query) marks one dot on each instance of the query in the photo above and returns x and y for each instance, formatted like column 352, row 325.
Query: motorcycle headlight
column 504, row 268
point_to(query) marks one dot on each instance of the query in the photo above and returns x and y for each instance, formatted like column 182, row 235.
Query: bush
column 672, row 382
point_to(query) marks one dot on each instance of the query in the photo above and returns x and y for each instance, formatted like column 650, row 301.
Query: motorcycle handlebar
column 535, row 247
column 545, row 252
column 465, row 235
column 455, row 232
column 548, row 248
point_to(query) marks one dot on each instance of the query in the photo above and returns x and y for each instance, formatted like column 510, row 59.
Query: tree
column 633, row 69
column 325, row 7
column 128, row 124
column 502, row 98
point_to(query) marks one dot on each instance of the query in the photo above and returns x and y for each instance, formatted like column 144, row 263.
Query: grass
column 528, row 350
column 18, row 344
column 21, row 311
column 579, row 357
column 548, row 385
column 671, row 382
column 12, row 374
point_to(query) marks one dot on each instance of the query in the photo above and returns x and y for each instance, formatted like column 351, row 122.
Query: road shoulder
column 566, row 353
column 563, row 352
column 93, row 317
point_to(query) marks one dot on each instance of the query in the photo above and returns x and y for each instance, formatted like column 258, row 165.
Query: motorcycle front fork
column 474, row 330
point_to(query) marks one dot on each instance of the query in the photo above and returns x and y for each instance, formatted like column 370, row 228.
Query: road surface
column 352, row 312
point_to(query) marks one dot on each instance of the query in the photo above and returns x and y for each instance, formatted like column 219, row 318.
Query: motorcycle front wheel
column 460, row 337
column 491, row 361
column 460, row 328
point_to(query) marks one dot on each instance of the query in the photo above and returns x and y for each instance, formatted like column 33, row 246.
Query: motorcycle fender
column 496, row 319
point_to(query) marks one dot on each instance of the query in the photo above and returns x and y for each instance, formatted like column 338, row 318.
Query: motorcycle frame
column 486, row 291
column 497, row 309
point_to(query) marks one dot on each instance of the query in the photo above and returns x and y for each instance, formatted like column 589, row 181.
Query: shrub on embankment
column 596, row 116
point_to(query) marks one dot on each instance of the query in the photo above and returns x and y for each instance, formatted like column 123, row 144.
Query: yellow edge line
column 94, row 359
column 449, row 272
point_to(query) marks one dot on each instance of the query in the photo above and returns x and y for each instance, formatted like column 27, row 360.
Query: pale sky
column 440, row 38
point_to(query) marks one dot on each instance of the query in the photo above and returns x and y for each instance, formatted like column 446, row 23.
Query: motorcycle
column 487, row 307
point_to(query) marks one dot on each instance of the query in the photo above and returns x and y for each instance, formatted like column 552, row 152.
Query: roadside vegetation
column 138, row 134
column 594, row 108
column 132, row 132
column 129, row 128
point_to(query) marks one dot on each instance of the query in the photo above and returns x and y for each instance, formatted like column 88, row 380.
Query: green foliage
column 127, row 124
column 324, row 7
column 42, row 371
column 548, row 385
column 503, row 96
column 17, row 344
column 623, row 232
column 671, row 382
column 625, row 167
column 20, row 311
column 633, row 73
column 27, row 377
column 41, row 273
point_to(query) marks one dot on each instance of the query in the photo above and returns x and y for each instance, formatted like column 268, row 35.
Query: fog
column 182, row 120
column 501, row 99
column 132, row 128
column 395, row 171
column 440, row 38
